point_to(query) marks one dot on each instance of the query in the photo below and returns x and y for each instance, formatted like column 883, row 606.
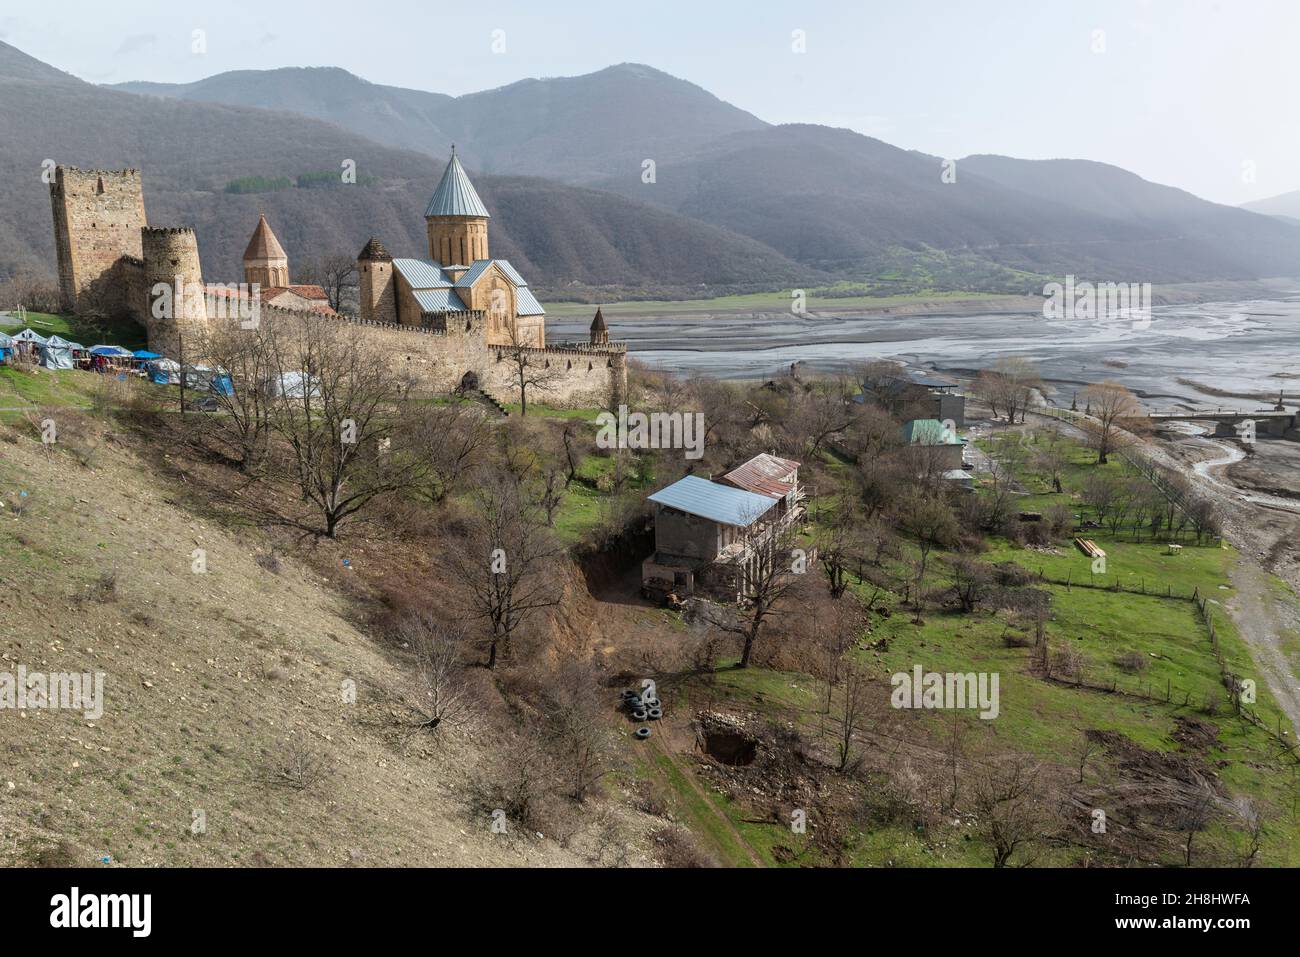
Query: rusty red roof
column 765, row 474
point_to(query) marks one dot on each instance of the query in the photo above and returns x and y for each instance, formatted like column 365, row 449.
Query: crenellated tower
column 175, row 299
column 98, row 215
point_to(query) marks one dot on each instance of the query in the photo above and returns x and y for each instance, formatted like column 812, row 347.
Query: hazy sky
column 1192, row 93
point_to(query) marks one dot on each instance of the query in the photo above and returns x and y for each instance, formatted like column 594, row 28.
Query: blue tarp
column 111, row 352
column 146, row 354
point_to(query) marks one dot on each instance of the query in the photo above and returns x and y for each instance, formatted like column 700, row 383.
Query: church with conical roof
column 458, row 276
column 453, row 320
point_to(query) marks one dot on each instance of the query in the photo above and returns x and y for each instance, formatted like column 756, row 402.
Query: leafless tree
column 1196, row 807
column 1052, row 457
column 1109, row 405
column 851, row 713
column 242, row 428
column 1087, row 748
column 1007, row 806
column 449, row 441
column 334, row 407
column 530, row 368
column 508, row 561
column 766, row 578
column 929, row 520
column 336, row 273
column 437, row 692
column 575, row 713
column 971, row 579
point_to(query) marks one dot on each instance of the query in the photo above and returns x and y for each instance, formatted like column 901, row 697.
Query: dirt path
column 664, row 750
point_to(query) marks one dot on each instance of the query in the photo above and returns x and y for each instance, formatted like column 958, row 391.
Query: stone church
column 457, row 319
column 459, row 275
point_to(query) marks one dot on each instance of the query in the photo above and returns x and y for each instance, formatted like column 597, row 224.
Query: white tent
column 292, row 385
column 56, row 353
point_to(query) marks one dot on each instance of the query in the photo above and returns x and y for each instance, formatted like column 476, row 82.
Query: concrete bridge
column 1276, row 421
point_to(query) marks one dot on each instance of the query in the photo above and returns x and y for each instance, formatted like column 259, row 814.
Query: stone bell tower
column 457, row 219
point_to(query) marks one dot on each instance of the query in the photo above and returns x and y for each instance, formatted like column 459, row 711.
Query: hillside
column 209, row 680
column 574, row 129
column 1286, row 205
column 829, row 199
column 835, row 200
column 561, row 237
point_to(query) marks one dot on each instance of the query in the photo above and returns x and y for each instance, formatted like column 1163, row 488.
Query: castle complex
column 456, row 319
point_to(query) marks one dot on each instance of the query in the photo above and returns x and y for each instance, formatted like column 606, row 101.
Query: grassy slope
column 205, row 674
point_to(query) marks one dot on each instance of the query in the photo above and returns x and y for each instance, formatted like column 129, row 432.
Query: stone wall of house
column 98, row 215
column 683, row 537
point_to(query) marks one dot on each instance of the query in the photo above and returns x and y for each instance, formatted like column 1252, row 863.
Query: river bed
column 1251, row 346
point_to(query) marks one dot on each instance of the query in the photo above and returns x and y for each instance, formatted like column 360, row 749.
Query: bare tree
column 971, row 580
column 818, row 414
column 1007, row 807
column 531, row 368
column 1195, row 808
column 851, row 714
column 575, row 712
column 507, row 563
column 1087, row 748
column 930, row 522
column 1052, row 457
column 448, row 441
column 1109, row 405
column 335, row 398
column 242, row 428
column 766, row 578
column 437, row 692
column 336, row 273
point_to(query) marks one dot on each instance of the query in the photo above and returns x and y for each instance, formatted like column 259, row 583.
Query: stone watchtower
column 171, row 260
column 98, row 215
column 457, row 219
column 599, row 331
column 265, row 261
column 378, row 297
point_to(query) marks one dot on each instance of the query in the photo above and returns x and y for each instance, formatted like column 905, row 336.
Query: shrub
column 1134, row 662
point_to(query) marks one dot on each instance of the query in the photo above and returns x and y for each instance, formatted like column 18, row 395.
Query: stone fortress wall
column 110, row 261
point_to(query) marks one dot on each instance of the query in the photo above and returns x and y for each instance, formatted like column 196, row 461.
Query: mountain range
column 726, row 203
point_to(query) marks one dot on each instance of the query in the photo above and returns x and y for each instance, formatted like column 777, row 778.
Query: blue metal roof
column 510, row 272
column 473, row 272
column 718, row 503
column 526, row 302
column 455, row 195
column 422, row 273
column 438, row 300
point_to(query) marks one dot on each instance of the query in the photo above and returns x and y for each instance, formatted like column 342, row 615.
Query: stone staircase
column 493, row 402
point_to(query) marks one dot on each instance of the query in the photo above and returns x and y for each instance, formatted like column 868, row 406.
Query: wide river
column 1250, row 346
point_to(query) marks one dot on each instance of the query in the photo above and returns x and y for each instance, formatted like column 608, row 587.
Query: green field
column 123, row 333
